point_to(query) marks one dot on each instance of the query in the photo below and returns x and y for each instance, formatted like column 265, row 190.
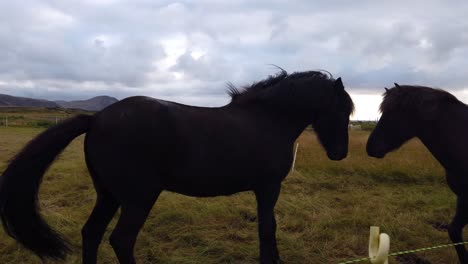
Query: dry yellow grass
column 324, row 211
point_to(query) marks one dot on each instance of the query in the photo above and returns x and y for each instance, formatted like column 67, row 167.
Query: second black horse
column 440, row 121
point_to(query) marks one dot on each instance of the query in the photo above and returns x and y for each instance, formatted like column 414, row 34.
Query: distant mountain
column 94, row 104
column 13, row 101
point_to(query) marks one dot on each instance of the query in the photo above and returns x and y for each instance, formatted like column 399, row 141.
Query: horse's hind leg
column 133, row 216
column 95, row 227
column 456, row 227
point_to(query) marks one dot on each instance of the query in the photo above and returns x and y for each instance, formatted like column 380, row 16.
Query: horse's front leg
column 456, row 228
column 266, row 201
column 460, row 220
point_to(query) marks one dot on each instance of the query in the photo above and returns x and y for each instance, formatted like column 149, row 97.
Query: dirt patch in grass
column 443, row 227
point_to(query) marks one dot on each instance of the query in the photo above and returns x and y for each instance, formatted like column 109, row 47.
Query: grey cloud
column 62, row 49
column 90, row 60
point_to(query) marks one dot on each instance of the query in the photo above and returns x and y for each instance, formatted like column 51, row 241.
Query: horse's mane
column 415, row 98
column 251, row 92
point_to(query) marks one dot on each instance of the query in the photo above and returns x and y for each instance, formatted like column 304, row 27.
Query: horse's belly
column 203, row 186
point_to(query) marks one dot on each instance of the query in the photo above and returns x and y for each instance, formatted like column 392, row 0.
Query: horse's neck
column 289, row 124
column 446, row 136
column 293, row 123
column 298, row 129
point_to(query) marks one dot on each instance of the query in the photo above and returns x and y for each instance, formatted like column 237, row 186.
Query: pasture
column 323, row 213
column 35, row 117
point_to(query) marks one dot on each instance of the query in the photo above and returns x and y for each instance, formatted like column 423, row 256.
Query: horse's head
column 396, row 125
column 310, row 97
column 330, row 122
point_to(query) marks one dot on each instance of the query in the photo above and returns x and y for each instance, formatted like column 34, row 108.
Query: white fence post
column 294, row 160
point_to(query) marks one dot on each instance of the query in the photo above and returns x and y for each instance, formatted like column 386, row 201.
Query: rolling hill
column 13, row 101
column 94, row 104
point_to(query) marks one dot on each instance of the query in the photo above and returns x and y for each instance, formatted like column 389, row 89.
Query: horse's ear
column 338, row 84
column 386, row 89
column 396, row 85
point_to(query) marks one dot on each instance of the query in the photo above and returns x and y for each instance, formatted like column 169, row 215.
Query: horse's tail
column 19, row 186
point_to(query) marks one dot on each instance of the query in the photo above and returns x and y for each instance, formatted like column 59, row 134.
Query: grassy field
column 35, row 117
column 323, row 214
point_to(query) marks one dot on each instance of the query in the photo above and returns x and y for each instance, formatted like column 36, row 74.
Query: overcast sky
column 186, row 51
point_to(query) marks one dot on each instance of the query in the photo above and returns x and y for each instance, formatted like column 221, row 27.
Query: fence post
column 294, row 159
column 379, row 245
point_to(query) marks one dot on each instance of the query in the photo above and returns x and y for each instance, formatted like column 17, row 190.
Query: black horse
column 440, row 121
column 140, row 146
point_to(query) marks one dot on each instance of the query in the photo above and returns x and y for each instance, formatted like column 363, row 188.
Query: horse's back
column 136, row 119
